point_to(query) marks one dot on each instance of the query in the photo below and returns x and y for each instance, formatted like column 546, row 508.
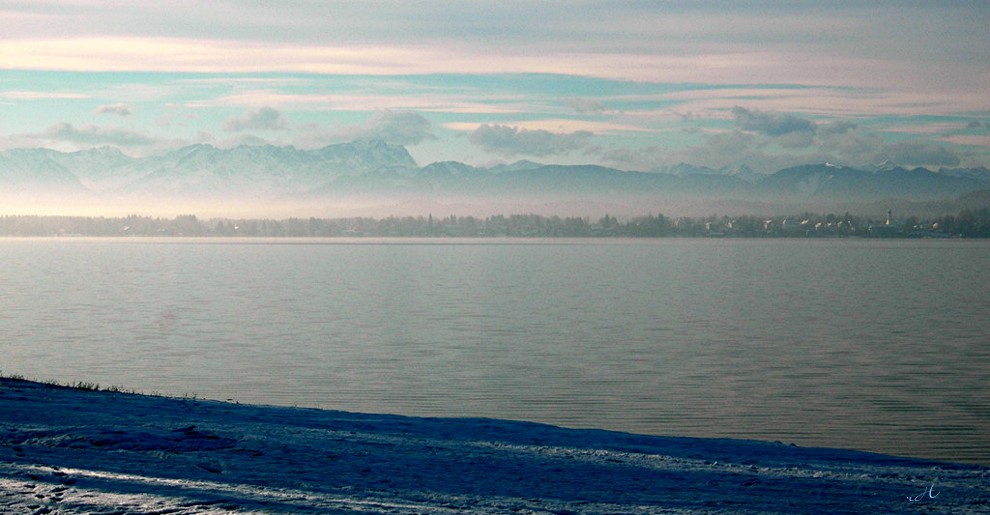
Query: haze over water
column 874, row 345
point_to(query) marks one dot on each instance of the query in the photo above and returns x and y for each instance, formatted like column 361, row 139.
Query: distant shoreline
column 965, row 224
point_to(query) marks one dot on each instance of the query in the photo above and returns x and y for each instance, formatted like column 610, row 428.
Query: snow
column 65, row 450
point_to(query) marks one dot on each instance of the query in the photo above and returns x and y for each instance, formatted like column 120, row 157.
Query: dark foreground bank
column 65, row 450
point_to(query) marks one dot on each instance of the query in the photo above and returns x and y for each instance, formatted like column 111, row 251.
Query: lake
column 879, row 345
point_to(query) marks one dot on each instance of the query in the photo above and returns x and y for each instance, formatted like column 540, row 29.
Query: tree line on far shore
column 965, row 224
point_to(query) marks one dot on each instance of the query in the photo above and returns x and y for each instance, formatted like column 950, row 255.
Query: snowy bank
column 65, row 450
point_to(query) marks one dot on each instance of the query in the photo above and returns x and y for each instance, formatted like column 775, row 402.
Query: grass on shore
column 80, row 385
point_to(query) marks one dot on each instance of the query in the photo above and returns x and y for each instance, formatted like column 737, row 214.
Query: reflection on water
column 873, row 345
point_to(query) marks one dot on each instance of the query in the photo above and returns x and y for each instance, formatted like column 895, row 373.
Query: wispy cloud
column 771, row 124
column 116, row 109
column 264, row 119
column 396, row 127
column 587, row 106
column 377, row 101
column 93, row 135
column 558, row 125
column 920, row 153
column 888, row 47
column 510, row 141
column 974, row 140
column 768, row 141
column 714, row 65
column 143, row 54
column 42, row 95
column 737, row 82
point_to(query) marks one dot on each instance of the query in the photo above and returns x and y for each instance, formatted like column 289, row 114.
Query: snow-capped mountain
column 741, row 172
column 201, row 169
column 40, row 170
column 836, row 182
column 515, row 167
column 339, row 174
column 448, row 169
column 980, row 174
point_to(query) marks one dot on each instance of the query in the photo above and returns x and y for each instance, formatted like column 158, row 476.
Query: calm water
column 875, row 345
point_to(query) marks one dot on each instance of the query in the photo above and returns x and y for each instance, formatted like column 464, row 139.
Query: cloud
column 771, row 124
column 914, row 46
column 264, row 119
column 507, row 140
column 42, row 95
column 559, row 125
column 835, row 128
column 117, row 109
column 841, row 143
column 93, row 135
column 920, row 153
column 846, row 142
column 396, row 127
column 646, row 158
column 796, row 140
column 729, row 149
column 838, row 142
column 586, row 106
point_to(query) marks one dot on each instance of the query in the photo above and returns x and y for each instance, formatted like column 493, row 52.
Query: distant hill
column 840, row 183
column 376, row 175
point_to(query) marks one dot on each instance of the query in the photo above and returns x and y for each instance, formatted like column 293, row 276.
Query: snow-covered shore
column 66, row 450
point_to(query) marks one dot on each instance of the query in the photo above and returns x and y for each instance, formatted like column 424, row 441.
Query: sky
column 635, row 85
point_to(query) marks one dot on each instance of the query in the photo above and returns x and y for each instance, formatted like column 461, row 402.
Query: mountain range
column 365, row 177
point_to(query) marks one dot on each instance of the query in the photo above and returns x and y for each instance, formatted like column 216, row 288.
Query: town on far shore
column 965, row 224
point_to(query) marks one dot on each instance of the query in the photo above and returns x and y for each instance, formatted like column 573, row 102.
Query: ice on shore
column 66, row 450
